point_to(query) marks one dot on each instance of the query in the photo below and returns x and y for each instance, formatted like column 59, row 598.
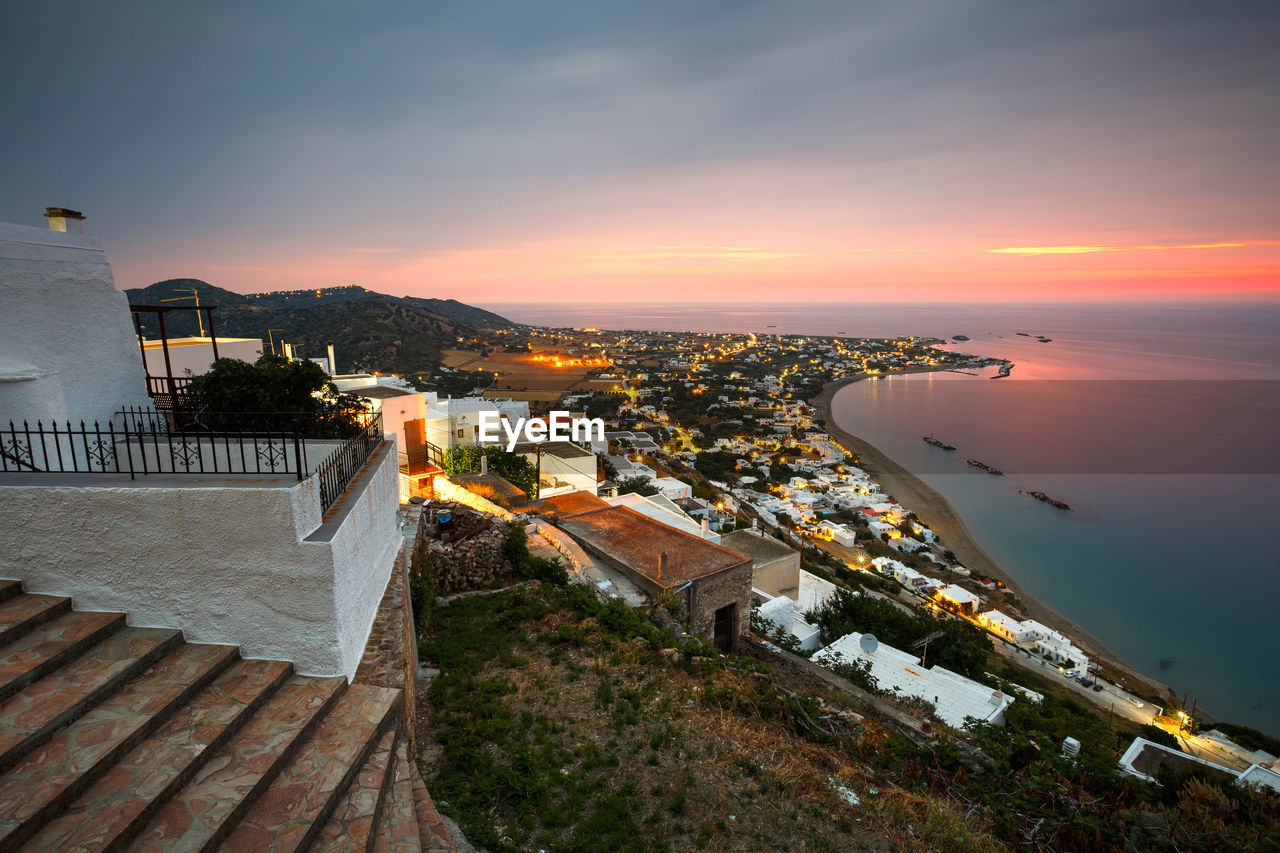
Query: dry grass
column 687, row 754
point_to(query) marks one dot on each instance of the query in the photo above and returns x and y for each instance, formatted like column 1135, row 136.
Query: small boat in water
column 1053, row 502
column 985, row 467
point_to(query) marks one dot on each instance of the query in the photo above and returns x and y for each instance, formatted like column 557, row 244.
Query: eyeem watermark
column 560, row 427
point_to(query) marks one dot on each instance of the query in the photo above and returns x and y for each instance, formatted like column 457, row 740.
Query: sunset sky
column 681, row 151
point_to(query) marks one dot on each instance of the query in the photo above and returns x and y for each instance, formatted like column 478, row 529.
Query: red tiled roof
column 637, row 541
column 568, row 505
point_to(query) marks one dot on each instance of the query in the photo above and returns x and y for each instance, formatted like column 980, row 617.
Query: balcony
column 147, row 443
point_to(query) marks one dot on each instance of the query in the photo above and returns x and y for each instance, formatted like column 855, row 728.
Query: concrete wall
column 779, row 576
column 67, row 345
column 254, row 566
column 195, row 355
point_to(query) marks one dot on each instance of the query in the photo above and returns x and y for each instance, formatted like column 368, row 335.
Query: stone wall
column 391, row 655
column 709, row 594
column 474, row 562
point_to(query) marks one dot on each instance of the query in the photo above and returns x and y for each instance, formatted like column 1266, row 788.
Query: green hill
column 370, row 331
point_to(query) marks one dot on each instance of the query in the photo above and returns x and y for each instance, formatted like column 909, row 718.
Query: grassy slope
column 560, row 725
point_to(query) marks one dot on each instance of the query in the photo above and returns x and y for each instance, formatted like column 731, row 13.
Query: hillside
column 556, row 722
column 370, row 331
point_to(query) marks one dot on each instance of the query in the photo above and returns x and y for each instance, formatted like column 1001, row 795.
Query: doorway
column 724, row 629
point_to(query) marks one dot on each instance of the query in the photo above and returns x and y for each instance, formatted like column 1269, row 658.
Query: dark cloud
column 454, row 123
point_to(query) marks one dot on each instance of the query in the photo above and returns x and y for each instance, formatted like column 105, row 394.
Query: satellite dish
column 869, row 643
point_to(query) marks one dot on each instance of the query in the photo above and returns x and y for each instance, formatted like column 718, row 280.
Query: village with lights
column 725, row 425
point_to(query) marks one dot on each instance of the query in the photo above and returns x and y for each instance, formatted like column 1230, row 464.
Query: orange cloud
column 1089, row 250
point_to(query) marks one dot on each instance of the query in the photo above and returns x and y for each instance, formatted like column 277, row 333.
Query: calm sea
column 1158, row 424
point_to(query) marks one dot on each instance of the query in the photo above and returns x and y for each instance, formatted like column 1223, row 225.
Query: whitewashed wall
column 248, row 565
column 67, row 345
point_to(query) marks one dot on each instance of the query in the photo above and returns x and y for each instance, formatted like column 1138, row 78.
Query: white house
column 1004, row 626
column 960, row 597
column 954, row 697
column 671, row 487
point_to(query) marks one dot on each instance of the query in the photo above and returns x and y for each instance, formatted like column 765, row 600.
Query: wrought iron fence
column 336, row 472
column 146, row 442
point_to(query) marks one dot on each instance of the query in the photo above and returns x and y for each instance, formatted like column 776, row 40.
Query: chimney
column 484, row 464
column 65, row 219
column 704, row 528
column 333, row 366
column 662, row 564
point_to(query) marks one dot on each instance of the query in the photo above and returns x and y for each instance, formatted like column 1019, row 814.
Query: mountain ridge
column 371, row 331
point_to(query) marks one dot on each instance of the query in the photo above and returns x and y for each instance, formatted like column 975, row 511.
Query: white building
column 1054, row 645
column 960, row 597
column 672, row 488
column 272, row 562
column 455, row 421
column 662, row 509
column 787, row 615
column 955, row 697
column 562, row 467
column 1004, row 626
column 194, row 355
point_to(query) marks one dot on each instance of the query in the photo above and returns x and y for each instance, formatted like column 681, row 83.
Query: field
column 518, row 372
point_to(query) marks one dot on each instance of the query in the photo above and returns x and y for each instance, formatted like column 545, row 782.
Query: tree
column 275, row 385
column 639, row 485
column 513, row 468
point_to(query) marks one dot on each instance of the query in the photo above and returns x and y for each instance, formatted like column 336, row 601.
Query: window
column 462, row 433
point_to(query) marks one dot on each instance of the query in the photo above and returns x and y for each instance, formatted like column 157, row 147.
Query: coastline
column 930, row 505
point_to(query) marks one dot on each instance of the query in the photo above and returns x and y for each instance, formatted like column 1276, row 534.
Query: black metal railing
column 140, row 441
column 336, row 472
column 147, row 442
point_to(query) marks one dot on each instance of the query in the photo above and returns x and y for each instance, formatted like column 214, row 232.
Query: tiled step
column 291, row 813
column 431, row 829
column 47, row 780
column 119, row 805
column 398, row 831
column 31, row 717
column 22, row 613
column 236, row 776
column 10, row 589
column 44, row 649
column 352, row 825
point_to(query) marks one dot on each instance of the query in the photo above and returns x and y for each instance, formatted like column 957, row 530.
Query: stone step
column 31, row 717
column 353, row 823
column 431, row 829
column 10, row 589
column 123, row 801
column 23, row 613
column 233, row 779
column 399, row 831
column 293, row 811
column 49, row 646
column 47, row 780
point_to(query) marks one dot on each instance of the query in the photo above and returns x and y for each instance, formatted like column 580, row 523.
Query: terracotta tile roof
column 636, row 541
column 567, row 505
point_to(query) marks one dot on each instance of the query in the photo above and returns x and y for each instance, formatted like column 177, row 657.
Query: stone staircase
column 122, row 738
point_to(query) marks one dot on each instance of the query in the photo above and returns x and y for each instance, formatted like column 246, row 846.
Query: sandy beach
column 936, row 511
